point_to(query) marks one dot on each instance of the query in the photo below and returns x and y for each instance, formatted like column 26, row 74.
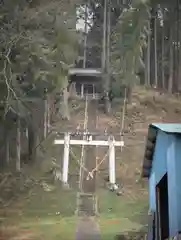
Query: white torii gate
column 111, row 143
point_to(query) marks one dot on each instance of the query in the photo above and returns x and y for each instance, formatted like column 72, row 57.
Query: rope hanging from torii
column 111, row 143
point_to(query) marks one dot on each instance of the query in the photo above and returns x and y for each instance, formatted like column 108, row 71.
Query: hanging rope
column 83, row 167
column 81, row 163
column 96, row 152
column 90, row 174
column 82, row 159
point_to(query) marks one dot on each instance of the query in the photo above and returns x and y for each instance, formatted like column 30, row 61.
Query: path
column 89, row 186
column 50, row 215
column 87, row 227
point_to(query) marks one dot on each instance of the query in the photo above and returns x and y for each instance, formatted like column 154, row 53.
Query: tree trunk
column 179, row 71
column 48, row 115
column 85, row 37
column 107, row 104
column 152, row 53
column 178, row 47
column 45, row 117
column 129, row 93
column 170, row 80
column 18, row 146
column 148, row 56
column 7, row 149
column 65, row 107
column 155, row 50
column 104, row 38
column 104, row 62
column 107, row 100
column 162, row 58
column 31, row 142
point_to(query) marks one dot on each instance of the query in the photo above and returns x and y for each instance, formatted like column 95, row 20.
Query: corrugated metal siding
column 159, row 166
column 174, row 184
column 167, row 128
column 152, row 193
column 172, row 199
column 178, row 178
column 167, row 158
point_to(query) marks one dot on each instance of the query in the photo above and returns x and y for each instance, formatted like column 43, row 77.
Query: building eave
column 153, row 129
column 93, row 72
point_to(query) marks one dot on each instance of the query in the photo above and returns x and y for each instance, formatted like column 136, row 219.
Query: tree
column 147, row 38
column 33, row 65
column 143, row 50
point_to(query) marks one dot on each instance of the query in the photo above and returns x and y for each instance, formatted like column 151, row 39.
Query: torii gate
column 111, row 143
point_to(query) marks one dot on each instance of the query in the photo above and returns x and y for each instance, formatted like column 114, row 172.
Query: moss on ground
column 51, row 215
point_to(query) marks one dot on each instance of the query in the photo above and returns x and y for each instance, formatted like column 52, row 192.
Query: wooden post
column 93, row 86
column 72, row 90
column 18, row 145
column 82, row 90
column 48, row 115
column 112, row 169
column 66, row 157
column 45, row 118
column 26, row 132
column 7, row 149
column 75, row 89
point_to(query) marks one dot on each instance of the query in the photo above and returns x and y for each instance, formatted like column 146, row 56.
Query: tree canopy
column 140, row 39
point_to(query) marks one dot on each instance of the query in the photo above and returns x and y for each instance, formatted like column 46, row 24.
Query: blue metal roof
column 168, row 127
column 153, row 128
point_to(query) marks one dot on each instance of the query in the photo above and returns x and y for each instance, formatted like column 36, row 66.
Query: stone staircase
column 86, row 204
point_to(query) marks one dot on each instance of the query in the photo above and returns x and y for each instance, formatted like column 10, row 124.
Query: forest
column 40, row 42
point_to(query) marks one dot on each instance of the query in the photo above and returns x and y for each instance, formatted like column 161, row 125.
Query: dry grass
column 35, row 218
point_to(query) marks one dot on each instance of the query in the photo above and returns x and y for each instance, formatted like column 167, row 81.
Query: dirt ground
column 44, row 214
column 88, row 227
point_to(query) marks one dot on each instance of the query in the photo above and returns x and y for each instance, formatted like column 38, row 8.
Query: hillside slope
column 117, row 214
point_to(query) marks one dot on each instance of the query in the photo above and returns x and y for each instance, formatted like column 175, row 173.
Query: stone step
column 86, row 204
column 88, row 229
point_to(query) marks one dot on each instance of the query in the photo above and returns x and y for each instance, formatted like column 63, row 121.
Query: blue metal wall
column 167, row 158
column 152, row 193
column 178, row 177
column 159, row 166
column 174, row 184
